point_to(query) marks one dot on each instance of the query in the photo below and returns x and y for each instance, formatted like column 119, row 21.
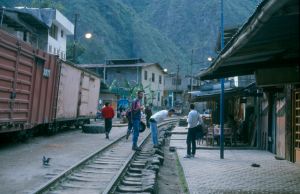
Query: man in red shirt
column 108, row 113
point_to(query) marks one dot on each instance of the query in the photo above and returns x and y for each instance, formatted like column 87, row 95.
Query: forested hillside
column 163, row 31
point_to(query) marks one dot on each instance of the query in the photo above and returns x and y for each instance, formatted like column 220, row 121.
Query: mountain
column 163, row 31
column 193, row 24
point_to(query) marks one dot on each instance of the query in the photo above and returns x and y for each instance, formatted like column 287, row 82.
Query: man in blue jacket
column 136, row 114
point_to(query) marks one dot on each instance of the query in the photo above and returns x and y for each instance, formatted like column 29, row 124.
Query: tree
column 128, row 89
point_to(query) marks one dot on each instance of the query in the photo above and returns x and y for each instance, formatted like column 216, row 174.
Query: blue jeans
column 136, row 131
column 130, row 125
column 153, row 126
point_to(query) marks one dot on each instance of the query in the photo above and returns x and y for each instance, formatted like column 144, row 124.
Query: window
column 159, row 79
column 62, row 33
column 153, row 77
column 145, row 75
column 158, row 96
column 53, row 31
column 25, row 36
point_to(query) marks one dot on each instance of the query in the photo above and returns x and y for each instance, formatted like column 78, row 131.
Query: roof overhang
column 214, row 95
column 22, row 21
column 268, row 40
column 123, row 66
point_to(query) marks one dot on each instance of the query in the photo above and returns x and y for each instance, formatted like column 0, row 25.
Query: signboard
column 46, row 72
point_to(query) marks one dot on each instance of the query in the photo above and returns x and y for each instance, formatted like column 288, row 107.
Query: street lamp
column 165, row 70
column 210, row 59
column 87, row 35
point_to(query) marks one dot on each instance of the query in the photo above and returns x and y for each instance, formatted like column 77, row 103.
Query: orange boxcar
column 28, row 85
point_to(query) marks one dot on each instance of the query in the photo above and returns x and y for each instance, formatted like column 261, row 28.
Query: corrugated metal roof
column 270, row 38
column 18, row 19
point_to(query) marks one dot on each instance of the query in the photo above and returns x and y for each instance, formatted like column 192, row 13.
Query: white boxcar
column 78, row 94
column 89, row 90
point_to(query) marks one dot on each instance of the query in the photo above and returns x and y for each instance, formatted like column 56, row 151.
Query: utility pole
column 222, row 89
column 176, row 86
column 192, row 71
column 75, row 38
column 177, row 73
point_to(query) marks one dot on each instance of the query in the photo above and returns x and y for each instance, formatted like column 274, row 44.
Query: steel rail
column 46, row 187
column 112, row 185
column 67, row 172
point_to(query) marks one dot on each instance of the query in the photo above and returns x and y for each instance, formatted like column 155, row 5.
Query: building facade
column 60, row 28
column 270, row 51
column 125, row 74
column 43, row 28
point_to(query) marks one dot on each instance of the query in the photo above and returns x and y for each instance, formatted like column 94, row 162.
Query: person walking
column 108, row 113
column 130, row 123
column 154, row 120
column 148, row 113
column 136, row 109
column 193, row 121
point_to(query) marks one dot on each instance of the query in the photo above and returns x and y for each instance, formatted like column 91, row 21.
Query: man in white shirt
column 193, row 121
column 158, row 118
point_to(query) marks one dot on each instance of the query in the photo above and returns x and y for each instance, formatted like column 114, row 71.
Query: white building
column 43, row 28
column 57, row 35
column 150, row 75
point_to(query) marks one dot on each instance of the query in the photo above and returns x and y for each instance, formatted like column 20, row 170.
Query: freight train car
column 77, row 98
column 28, row 85
column 39, row 90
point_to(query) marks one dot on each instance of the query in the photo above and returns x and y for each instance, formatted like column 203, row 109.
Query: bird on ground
column 46, row 161
column 255, row 165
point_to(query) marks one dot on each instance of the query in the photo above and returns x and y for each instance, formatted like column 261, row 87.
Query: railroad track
column 101, row 171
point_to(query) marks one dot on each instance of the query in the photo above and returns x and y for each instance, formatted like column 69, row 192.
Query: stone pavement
column 207, row 173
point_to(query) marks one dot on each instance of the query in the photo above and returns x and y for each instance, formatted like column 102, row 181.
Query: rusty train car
column 38, row 90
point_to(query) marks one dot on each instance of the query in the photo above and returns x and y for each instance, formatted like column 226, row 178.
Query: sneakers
column 189, row 156
column 156, row 146
column 135, row 148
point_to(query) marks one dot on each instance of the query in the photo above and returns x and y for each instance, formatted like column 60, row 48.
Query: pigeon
column 255, row 165
column 46, row 161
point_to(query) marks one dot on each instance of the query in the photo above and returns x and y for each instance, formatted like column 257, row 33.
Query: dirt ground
column 170, row 177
